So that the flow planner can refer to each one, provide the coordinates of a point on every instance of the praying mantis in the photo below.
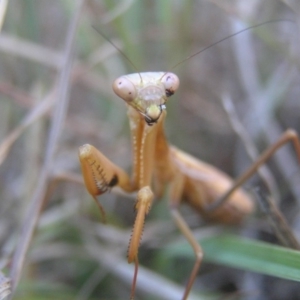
(158, 166)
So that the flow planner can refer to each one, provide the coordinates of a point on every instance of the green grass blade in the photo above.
(248, 255)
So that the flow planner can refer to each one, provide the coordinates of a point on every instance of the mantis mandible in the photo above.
(157, 165)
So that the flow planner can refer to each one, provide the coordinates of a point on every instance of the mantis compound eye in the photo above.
(125, 89)
(171, 83)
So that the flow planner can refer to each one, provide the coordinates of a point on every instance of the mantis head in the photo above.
(147, 92)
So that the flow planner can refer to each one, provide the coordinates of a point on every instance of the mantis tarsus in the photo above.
(156, 165)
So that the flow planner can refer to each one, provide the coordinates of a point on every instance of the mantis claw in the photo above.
(100, 174)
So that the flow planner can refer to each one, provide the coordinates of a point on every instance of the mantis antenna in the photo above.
(192, 55)
(225, 38)
(119, 49)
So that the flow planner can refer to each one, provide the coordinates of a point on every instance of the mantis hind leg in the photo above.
(175, 194)
(277, 220)
(289, 135)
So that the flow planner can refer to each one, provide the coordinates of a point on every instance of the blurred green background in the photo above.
(73, 255)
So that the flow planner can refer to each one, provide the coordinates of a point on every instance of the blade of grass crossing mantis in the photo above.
(245, 254)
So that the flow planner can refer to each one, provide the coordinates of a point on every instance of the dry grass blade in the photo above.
(120, 9)
(30, 51)
(57, 123)
(37, 112)
(5, 286)
(252, 152)
(294, 4)
(3, 8)
(282, 229)
(148, 282)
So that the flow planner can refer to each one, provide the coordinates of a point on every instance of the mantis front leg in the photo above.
(143, 205)
(100, 174)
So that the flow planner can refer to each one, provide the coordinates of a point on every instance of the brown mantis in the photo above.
(157, 165)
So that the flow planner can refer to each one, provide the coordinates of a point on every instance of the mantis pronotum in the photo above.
(156, 164)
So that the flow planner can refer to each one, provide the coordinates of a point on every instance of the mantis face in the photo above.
(147, 92)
